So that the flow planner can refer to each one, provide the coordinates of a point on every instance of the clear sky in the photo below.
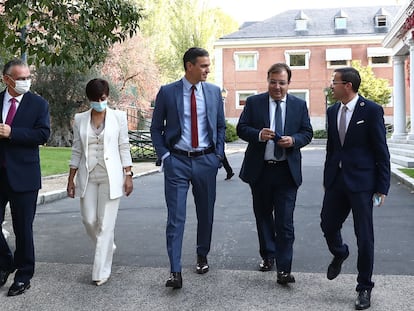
(257, 10)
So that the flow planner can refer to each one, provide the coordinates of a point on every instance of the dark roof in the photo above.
(360, 21)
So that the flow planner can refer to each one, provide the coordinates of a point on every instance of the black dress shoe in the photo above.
(363, 300)
(285, 277)
(335, 267)
(229, 176)
(4, 275)
(18, 288)
(266, 264)
(202, 265)
(175, 280)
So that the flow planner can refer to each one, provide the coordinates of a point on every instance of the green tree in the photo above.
(191, 23)
(373, 88)
(58, 32)
(65, 92)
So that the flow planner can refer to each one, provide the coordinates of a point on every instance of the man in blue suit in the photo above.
(276, 125)
(357, 170)
(24, 126)
(188, 132)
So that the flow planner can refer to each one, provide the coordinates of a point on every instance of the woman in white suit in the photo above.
(101, 161)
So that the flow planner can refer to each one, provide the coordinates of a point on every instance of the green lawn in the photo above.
(54, 160)
(408, 171)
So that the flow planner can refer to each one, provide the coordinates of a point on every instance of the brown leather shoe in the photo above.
(266, 264)
(175, 280)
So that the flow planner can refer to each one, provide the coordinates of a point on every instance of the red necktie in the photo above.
(12, 111)
(194, 129)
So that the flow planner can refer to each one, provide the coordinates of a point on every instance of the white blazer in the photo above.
(117, 154)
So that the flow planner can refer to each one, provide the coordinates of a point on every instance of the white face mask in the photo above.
(22, 86)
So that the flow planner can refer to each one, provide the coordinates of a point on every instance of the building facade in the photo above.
(313, 43)
(400, 39)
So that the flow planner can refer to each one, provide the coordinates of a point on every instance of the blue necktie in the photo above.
(278, 129)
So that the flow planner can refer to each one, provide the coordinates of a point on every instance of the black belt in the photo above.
(192, 154)
(276, 163)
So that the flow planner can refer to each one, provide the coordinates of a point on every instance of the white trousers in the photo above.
(99, 214)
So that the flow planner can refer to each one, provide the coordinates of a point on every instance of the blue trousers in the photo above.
(179, 172)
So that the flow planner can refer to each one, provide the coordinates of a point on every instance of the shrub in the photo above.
(231, 133)
(320, 134)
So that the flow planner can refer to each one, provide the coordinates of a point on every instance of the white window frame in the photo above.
(379, 18)
(342, 54)
(301, 25)
(331, 66)
(238, 93)
(306, 53)
(255, 56)
(379, 52)
(341, 22)
(306, 91)
(388, 64)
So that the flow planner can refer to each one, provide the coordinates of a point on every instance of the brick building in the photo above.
(313, 42)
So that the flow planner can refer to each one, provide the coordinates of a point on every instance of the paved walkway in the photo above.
(54, 187)
(58, 286)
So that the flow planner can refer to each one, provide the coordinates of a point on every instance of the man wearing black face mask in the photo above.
(24, 125)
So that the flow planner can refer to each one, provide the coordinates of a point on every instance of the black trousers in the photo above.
(23, 210)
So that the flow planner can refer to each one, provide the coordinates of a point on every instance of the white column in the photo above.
(399, 98)
(411, 134)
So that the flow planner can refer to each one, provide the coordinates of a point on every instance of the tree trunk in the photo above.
(61, 135)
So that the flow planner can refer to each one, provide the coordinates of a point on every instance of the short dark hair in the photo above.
(96, 88)
(278, 68)
(350, 74)
(191, 55)
(14, 62)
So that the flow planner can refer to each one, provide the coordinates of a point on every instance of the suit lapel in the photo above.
(179, 101)
(266, 112)
(207, 93)
(83, 130)
(356, 115)
(1, 106)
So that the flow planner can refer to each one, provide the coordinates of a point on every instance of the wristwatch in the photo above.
(129, 173)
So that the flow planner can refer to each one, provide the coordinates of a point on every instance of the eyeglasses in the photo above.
(338, 82)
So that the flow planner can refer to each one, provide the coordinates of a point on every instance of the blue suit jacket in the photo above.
(168, 117)
(30, 128)
(364, 156)
(255, 117)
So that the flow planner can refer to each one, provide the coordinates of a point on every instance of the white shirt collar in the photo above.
(351, 105)
(7, 97)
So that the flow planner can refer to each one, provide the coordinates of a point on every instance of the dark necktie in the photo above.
(278, 128)
(342, 125)
(194, 128)
(12, 111)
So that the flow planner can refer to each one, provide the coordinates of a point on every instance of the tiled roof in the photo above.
(360, 21)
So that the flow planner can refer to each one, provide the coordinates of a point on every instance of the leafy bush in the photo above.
(231, 133)
(320, 134)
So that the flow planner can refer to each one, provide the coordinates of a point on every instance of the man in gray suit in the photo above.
(276, 125)
(187, 131)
